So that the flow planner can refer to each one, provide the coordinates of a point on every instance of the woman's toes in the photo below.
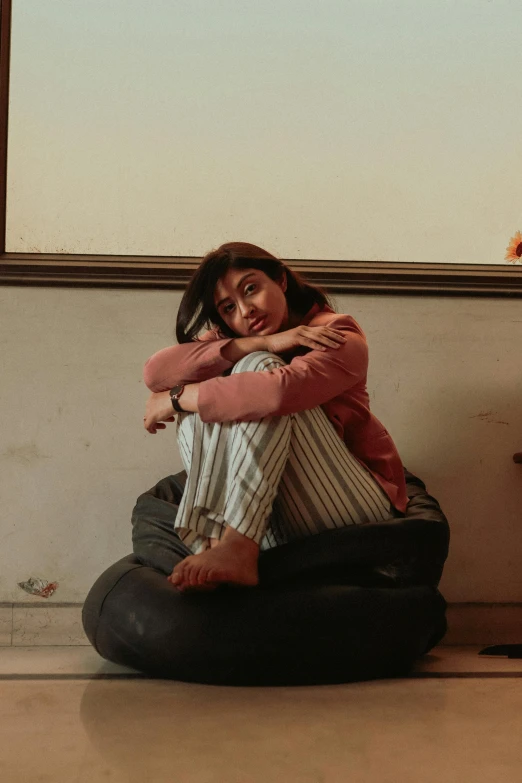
(192, 577)
(185, 572)
(180, 573)
(212, 574)
(202, 577)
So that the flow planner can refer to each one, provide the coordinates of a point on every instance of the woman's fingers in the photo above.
(332, 343)
(326, 336)
(332, 338)
(154, 426)
(324, 342)
(335, 334)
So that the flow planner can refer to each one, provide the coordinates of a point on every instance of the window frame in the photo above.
(158, 272)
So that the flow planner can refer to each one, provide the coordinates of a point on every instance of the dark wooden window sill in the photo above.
(173, 272)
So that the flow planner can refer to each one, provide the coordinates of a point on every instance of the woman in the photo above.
(274, 425)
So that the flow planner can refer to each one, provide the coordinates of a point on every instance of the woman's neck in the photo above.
(293, 320)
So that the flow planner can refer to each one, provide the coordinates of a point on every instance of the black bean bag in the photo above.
(351, 604)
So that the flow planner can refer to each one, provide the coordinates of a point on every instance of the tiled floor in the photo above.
(457, 719)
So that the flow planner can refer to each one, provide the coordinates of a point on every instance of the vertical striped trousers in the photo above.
(272, 480)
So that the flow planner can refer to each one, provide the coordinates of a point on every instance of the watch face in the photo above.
(175, 391)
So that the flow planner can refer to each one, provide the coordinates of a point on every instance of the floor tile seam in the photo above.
(77, 676)
(9, 631)
(49, 605)
(140, 676)
(470, 675)
(48, 644)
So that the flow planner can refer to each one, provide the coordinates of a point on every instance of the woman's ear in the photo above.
(283, 282)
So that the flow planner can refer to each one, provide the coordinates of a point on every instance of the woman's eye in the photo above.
(250, 288)
(228, 308)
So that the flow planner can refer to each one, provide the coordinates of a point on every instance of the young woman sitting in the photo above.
(274, 423)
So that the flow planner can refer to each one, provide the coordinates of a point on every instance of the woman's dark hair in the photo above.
(197, 309)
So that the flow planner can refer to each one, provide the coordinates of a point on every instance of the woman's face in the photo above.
(251, 303)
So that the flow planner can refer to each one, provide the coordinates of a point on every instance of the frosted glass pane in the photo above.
(330, 129)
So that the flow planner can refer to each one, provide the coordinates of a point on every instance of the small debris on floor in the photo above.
(40, 587)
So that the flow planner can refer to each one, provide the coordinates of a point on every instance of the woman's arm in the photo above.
(210, 356)
(308, 381)
(187, 363)
(206, 358)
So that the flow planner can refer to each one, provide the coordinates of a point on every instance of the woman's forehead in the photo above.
(229, 283)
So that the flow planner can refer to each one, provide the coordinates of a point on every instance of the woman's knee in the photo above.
(258, 361)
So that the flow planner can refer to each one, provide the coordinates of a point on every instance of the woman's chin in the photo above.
(269, 330)
(265, 331)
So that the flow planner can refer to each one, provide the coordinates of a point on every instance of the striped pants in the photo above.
(272, 480)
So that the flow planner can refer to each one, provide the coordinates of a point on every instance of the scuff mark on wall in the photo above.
(486, 416)
(40, 587)
(25, 454)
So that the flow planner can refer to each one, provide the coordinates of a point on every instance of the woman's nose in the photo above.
(246, 309)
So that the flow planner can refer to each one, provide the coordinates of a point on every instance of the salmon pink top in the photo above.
(334, 379)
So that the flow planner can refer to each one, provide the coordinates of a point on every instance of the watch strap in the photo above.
(175, 394)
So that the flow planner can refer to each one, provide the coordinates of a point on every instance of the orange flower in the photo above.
(514, 249)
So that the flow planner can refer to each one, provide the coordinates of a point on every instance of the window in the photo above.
(373, 145)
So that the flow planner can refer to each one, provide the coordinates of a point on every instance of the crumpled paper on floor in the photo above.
(40, 587)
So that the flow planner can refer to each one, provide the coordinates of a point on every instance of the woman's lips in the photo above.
(258, 325)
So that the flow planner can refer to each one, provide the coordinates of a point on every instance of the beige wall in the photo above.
(445, 378)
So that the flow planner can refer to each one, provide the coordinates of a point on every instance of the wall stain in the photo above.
(486, 416)
(26, 454)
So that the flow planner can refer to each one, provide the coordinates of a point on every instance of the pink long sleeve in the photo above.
(308, 381)
(187, 363)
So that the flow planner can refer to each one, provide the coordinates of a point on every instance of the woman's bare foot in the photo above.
(233, 560)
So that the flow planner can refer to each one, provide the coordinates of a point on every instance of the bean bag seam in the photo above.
(98, 624)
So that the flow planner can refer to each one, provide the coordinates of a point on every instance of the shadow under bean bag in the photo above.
(355, 603)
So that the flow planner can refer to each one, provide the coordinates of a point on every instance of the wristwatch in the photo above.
(175, 394)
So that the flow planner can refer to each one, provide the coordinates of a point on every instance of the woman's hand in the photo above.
(158, 409)
(317, 337)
